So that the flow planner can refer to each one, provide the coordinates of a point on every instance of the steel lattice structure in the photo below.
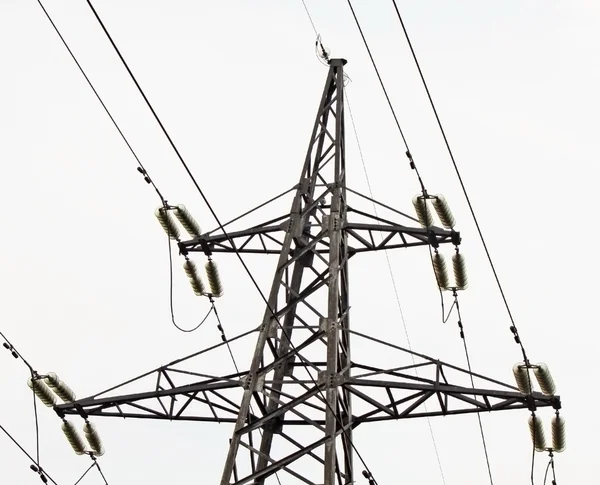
(295, 407)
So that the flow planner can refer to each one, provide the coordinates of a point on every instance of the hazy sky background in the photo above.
(84, 266)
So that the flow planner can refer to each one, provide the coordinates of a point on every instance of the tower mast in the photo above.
(292, 408)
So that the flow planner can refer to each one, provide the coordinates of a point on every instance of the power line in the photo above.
(310, 18)
(116, 125)
(464, 190)
(437, 454)
(101, 473)
(464, 339)
(37, 424)
(179, 156)
(141, 169)
(513, 327)
(550, 465)
(11, 348)
(35, 466)
(533, 458)
(379, 76)
(171, 296)
(85, 473)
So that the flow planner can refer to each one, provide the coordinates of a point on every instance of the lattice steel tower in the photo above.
(292, 408)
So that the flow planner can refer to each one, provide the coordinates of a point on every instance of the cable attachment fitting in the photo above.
(323, 53)
(145, 174)
(369, 477)
(40, 472)
(11, 349)
(410, 160)
(513, 329)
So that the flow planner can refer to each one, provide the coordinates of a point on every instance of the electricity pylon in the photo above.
(292, 408)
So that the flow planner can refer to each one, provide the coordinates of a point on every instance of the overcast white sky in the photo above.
(83, 262)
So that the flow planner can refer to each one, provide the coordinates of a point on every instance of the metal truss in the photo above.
(267, 238)
(295, 407)
(175, 392)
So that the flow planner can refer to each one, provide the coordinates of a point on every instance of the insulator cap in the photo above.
(74, 438)
(214, 280)
(422, 211)
(460, 271)
(559, 438)
(59, 387)
(522, 378)
(42, 391)
(441, 273)
(538, 437)
(93, 438)
(191, 270)
(544, 378)
(443, 211)
(167, 222)
(187, 221)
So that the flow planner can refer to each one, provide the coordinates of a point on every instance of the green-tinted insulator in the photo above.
(559, 437)
(42, 391)
(441, 273)
(167, 222)
(214, 280)
(538, 437)
(422, 211)
(443, 211)
(460, 271)
(59, 387)
(191, 271)
(544, 378)
(74, 438)
(187, 221)
(523, 378)
(93, 438)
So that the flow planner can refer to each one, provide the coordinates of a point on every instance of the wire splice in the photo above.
(59, 387)
(42, 391)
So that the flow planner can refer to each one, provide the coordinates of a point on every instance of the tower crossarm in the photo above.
(362, 237)
(417, 400)
(209, 400)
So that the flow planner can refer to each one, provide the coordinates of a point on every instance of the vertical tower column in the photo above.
(302, 348)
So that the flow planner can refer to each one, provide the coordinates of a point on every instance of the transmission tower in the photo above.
(292, 408)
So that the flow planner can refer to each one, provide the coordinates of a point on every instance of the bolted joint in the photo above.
(329, 380)
(255, 383)
(334, 222)
(295, 226)
(327, 325)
